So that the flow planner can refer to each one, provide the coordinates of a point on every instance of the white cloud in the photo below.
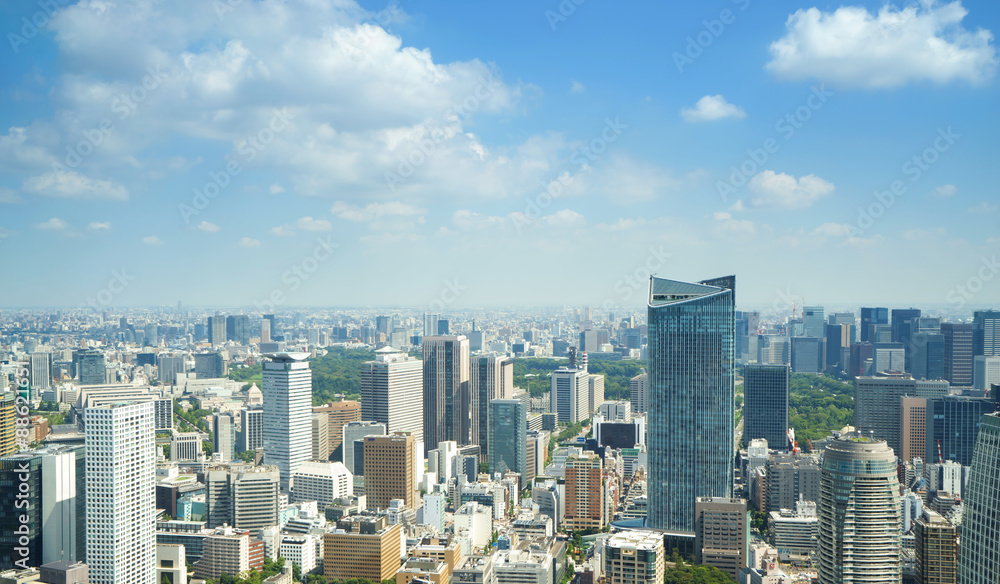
(9, 196)
(564, 218)
(100, 226)
(787, 192)
(833, 230)
(577, 87)
(946, 191)
(984, 207)
(53, 224)
(726, 224)
(465, 219)
(276, 189)
(249, 242)
(282, 231)
(373, 211)
(72, 185)
(310, 224)
(208, 227)
(710, 108)
(152, 240)
(851, 47)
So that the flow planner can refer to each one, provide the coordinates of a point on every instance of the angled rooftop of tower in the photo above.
(663, 291)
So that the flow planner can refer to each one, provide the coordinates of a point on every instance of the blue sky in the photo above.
(299, 117)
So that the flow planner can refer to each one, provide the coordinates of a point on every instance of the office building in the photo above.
(446, 389)
(491, 378)
(928, 357)
(952, 425)
(242, 496)
(167, 366)
(508, 437)
(957, 353)
(229, 551)
(391, 392)
(363, 546)
(936, 542)
(390, 470)
(859, 513)
(869, 317)
(323, 482)
(585, 495)
(216, 329)
(121, 507)
(354, 432)
(979, 554)
(790, 478)
(877, 404)
(639, 393)
(185, 446)
(986, 333)
(224, 435)
(901, 323)
(51, 504)
(985, 371)
(912, 428)
(722, 534)
(765, 405)
(66, 572)
(287, 410)
(164, 411)
(633, 557)
(321, 437)
(339, 414)
(238, 329)
(793, 531)
(569, 396)
(838, 346)
(251, 436)
(813, 321)
(692, 400)
(209, 366)
(92, 369)
(40, 372)
(8, 423)
(807, 354)
(595, 392)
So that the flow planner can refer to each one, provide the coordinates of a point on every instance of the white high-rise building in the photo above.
(985, 371)
(121, 505)
(392, 392)
(570, 394)
(287, 413)
(323, 482)
(639, 390)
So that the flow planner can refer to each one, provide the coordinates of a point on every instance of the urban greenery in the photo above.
(818, 405)
(271, 568)
(683, 573)
(338, 372)
(533, 374)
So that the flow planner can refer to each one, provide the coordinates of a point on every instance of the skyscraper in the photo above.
(722, 534)
(389, 470)
(217, 329)
(168, 366)
(953, 424)
(936, 542)
(40, 369)
(92, 368)
(927, 355)
(639, 393)
(121, 505)
(209, 365)
(814, 321)
(287, 413)
(765, 408)
(877, 406)
(238, 329)
(569, 394)
(859, 513)
(508, 436)
(491, 378)
(391, 392)
(251, 429)
(957, 353)
(807, 354)
(692, 407)
(224, 435)
(585, 493)
(986, 332)
(979, 554)
(446, 390)
(869, 317)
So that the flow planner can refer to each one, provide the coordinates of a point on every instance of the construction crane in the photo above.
(791, 439)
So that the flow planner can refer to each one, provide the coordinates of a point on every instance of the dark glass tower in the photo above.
(953, 423)
(765, 408)
(508, 436)
(979, 554)
(691, 413)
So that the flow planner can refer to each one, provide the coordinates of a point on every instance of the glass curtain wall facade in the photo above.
(691, 413)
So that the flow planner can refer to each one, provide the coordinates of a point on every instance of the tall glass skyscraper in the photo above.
(508, 436)
(979, 554)
(287, 413)
(691, 411)
(765, 410)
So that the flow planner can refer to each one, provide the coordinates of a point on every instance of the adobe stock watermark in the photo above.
(786, 127)
(638, 279)
(30, 27)
(125, 105)
(561, 14)
(248, 149)
(711, 30)
(581, 157)
(965, 291)
(441, 131)
(915, 167)
(117, 284)
(451, 291)
(298, 273)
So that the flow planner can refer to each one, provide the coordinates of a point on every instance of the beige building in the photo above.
(633, 557)
(320, 437)
(389, 470)
(362, 546)
(721, 533)
(912, 428)
(229, 551)
(339, 414)
(585, 497)
(937, 549)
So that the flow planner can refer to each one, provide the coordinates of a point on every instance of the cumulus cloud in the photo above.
(249, 242)
(984, 207)
(72, 185)
(577, 87)
(310, 224)
(784, 191)
(852, 47)
(710, 108)
(53, 224)
(276, 189)
(208, 227)
(282, 231)
(373, 211)
(100, 226)
(152, 240)
(946, 191)
(727, 224)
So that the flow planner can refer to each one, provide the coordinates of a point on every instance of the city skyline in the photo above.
(729, 140)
